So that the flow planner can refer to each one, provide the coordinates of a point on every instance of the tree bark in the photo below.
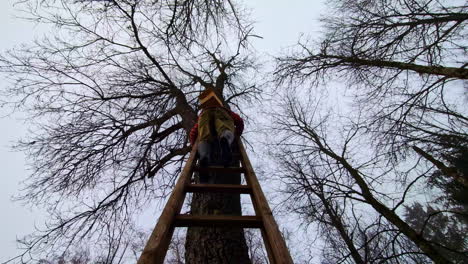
(217, 245)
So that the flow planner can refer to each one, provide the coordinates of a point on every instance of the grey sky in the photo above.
(16, 220)
(278, 22)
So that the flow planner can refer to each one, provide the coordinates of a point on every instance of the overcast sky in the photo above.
(16, 220)
(280, 23)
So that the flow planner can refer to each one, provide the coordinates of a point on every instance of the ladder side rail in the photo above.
(274, 238)
(158, 243)
(262, 228)
(267, 246)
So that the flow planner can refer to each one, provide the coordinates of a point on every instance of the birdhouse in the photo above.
(208, 98)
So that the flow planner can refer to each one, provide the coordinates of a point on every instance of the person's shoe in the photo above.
(226, 153)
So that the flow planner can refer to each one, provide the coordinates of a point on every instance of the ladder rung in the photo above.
(219, 169)
(218, 221)
(218, 188)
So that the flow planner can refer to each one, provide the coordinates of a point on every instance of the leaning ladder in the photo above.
(158, 243)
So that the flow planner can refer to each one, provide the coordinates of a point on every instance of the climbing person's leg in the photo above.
(225, 129)
(204, 145)
(227, 137)
(204, 153)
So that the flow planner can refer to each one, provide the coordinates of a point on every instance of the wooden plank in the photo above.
(276, 242)
(158, 243)
(218, 188)
(219, 169)
(218, 221)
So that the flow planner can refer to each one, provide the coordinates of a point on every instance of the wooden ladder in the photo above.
(158, 243)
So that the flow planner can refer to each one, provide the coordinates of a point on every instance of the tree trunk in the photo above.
(451, 172)
(449, 72)
(217, 245)
(336, 222)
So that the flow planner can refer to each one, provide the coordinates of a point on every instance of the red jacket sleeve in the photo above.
(194, 134)
(238, 122)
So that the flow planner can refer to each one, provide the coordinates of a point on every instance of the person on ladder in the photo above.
(216, 124)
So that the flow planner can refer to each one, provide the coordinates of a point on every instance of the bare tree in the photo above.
(112, 96)
(410, 53)
(374, 42)
(176, 252)
(403, 62)
(79, 257)
(310, 197)
(257, 251)
(344, 189)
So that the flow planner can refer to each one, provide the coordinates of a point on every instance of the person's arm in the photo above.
(193, 134)
(239, 123)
